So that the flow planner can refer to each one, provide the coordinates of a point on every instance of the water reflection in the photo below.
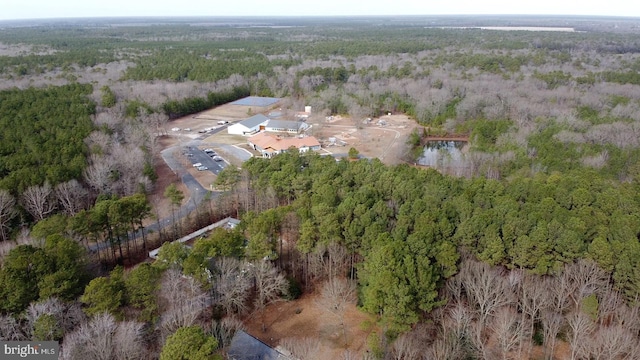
(437, 153)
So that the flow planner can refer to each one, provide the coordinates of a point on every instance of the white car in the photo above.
(175, 129)
(202, 168)
(197, 165)
(217, 158)
(208, 150)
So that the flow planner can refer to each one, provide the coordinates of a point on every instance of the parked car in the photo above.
(202, 168)
(197, 164)
(222, 122)
(217, 158)
(208, 150)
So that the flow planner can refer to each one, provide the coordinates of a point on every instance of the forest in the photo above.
(527, 246)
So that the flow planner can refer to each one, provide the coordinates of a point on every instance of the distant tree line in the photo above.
(178, 108)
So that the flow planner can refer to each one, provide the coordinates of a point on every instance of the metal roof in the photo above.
(254, 121)
(256, 101)
(284, 124)
(246, 347)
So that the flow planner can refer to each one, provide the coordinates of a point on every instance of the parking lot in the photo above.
(205, 160)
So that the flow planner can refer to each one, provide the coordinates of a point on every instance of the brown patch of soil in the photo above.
(304, 317)
(383, 138)
(166, 176)
(562, 351)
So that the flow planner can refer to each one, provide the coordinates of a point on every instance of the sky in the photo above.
(38, 9)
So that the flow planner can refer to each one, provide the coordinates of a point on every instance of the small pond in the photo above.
(438, 150)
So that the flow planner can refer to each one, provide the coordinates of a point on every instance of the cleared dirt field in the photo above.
(383, 138)
(305, 317)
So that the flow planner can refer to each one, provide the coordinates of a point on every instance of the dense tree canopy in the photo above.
(42, 132)
(190, 343)
(408, 225)
(30, 273)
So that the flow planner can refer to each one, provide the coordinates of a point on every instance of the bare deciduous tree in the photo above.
(103, 338)
(10, 329)
(613, 342)
(628, 316)
(338, 260)
(559, 287)
(584, 278)
(225, 329)
(128, 163)
(443, 347)
(155, 123)
(99, 173)
(93, 340)
(508, 331)
(128, 341)
(39, 200)
(182, 301)
(231, 285)
(581, 328)
(479, 339)
(530, 300)
(7, 212)
(335, 295)
(552, 322)
(270, 285)
(610, 303)
(486, 289)
(51, 306)
(458, 322)
(414, 345)
(72, 196)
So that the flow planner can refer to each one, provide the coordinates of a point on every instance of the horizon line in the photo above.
(97, 17)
